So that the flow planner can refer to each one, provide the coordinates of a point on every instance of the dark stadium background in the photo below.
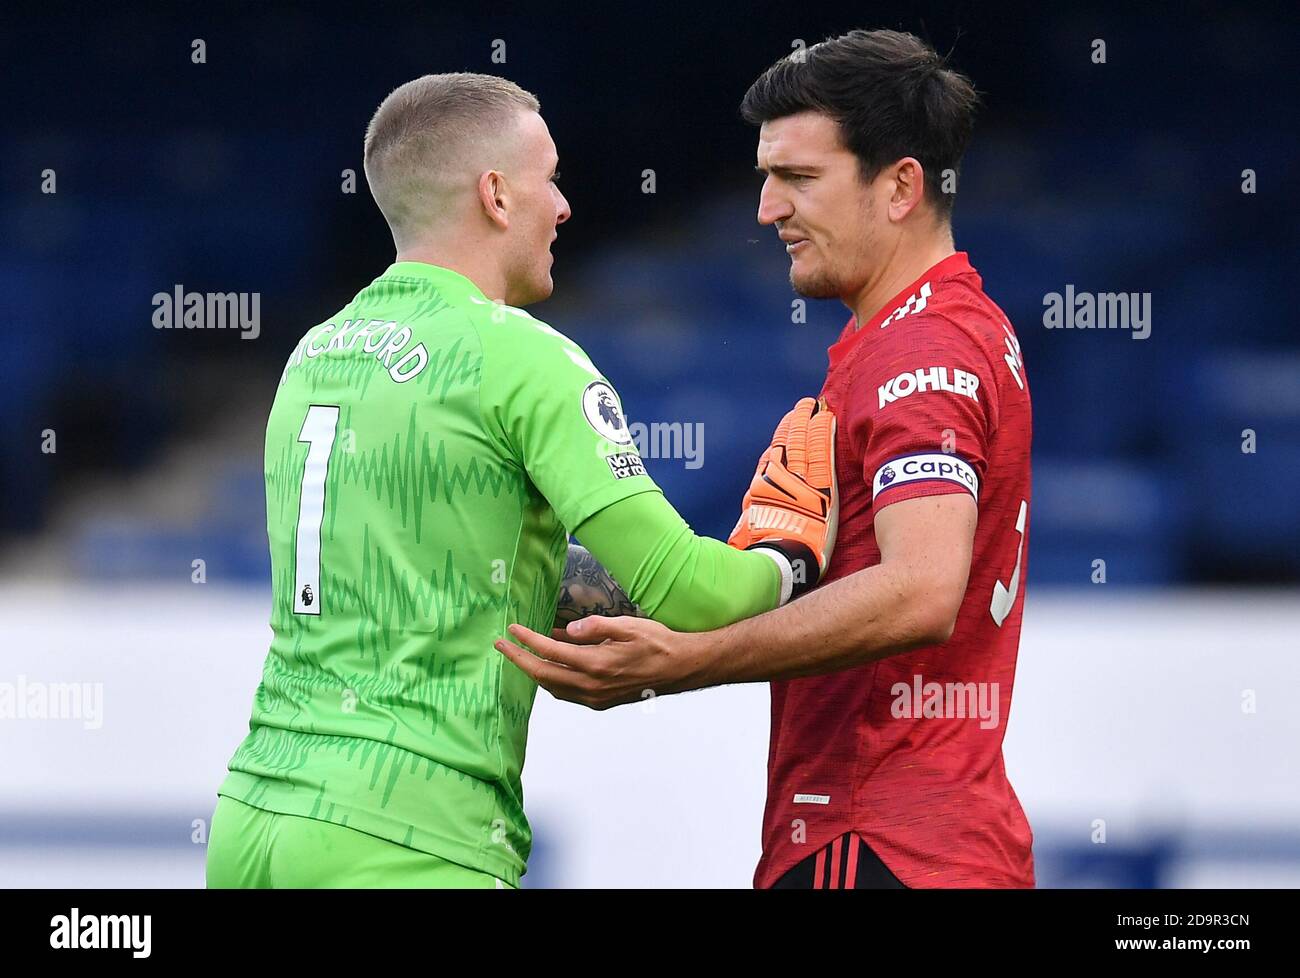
(226, 176)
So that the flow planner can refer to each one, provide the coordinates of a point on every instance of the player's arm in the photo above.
(910, 599)
(687, 582)
(668, 573)
(586, 588)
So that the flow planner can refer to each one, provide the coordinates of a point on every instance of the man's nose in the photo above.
(772, 207)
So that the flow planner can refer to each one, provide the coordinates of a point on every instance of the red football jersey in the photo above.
(931, 398)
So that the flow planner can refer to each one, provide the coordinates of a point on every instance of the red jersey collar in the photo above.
(955, 264)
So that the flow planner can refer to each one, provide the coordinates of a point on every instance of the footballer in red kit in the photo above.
(891, 680)
(906, 752)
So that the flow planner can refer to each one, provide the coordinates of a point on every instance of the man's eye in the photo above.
(555, 177)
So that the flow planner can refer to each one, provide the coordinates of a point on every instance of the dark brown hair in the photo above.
(892, 94)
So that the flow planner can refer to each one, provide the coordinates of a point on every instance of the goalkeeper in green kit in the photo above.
(429, 451)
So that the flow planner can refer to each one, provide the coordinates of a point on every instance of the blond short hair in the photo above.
(426, 133)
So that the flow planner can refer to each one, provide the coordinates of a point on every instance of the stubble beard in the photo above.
(819, 285)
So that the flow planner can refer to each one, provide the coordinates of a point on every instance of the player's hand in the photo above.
(602, 662)
(793, 502)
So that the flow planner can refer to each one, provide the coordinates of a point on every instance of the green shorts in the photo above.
(249, 848)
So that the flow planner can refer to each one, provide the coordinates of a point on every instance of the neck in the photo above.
(489, 279)
(904, 265)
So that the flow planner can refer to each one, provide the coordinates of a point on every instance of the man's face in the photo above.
(537, 210)
(826, 215)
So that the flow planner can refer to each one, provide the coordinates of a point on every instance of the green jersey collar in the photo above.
(434, 274)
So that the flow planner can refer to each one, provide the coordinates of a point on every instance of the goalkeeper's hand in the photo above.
(792, 508)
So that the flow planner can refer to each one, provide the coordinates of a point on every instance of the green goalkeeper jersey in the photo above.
(426, 451)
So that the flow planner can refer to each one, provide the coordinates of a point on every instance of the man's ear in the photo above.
(494, 197)
(908, 178)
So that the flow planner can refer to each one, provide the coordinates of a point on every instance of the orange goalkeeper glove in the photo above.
(792, 508)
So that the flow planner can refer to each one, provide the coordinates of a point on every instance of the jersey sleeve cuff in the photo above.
(783, 568)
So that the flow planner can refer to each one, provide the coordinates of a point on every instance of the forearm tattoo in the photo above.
(588, 589)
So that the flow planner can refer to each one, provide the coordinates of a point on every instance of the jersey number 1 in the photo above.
(318, 430)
